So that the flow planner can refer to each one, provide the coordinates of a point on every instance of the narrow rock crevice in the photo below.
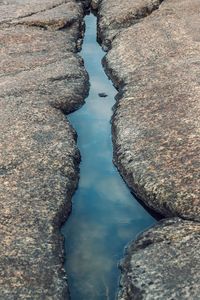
(109, 26)
(104, 214)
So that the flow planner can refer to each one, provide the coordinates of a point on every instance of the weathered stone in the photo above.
(58, 17)
(155, 66)
(40, 75)
(163, 263)
(16, 9)
(154, 63)
(115, 15)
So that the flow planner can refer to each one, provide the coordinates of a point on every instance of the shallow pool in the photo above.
(105, 215)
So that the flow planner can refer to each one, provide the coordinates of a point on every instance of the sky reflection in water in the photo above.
(105, 216)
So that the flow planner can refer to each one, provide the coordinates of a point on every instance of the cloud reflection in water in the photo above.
(105, 216)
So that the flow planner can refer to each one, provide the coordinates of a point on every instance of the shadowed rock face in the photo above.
(154, 63)
(40, 75)
(162, 264)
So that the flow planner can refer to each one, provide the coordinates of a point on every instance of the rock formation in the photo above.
(153, 60)
(41, 76)
(163, 263)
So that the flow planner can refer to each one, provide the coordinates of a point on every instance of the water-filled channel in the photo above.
(105, 216)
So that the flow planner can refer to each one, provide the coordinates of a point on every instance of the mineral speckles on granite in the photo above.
(12, 10)
(115, 15)
(58, 17)
(40, 74)
(163, 263)
(155, 65)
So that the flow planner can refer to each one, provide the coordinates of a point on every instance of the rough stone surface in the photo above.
(155, 66)
(154, 62)
(163, 263)
(116, 15)
(40, 76)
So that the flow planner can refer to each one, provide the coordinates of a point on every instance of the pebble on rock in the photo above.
(103, 95)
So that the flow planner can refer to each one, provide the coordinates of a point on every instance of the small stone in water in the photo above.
(103, 95)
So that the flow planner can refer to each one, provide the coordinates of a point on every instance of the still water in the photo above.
(105, 216)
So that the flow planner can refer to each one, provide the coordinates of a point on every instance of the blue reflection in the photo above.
(105, 216)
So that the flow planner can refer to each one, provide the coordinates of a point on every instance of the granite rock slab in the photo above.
(155, 66)
(163, 263)
(41, 78)
(153, 60)
(116, 15)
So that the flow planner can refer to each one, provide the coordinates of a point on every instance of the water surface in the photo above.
(105, 216)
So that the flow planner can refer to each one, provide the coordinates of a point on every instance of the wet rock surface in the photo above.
(41, 76)
(163, 263)
(153, 60)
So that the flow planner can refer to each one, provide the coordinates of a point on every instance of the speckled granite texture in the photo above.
(155, 66)
(115, 15)
(154, 61)
(40, 76)
(163, 263)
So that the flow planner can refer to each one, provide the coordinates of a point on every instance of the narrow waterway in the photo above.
(105, 216)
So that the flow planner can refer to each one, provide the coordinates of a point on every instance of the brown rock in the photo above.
(40, 74)
(154, 63)
(116, 15)
(155, 66)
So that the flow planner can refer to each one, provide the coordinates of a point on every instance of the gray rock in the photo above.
(41, 77)
(116, 15)
(163, 263)
(154, 64)
(103, 95)
(153, 60)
